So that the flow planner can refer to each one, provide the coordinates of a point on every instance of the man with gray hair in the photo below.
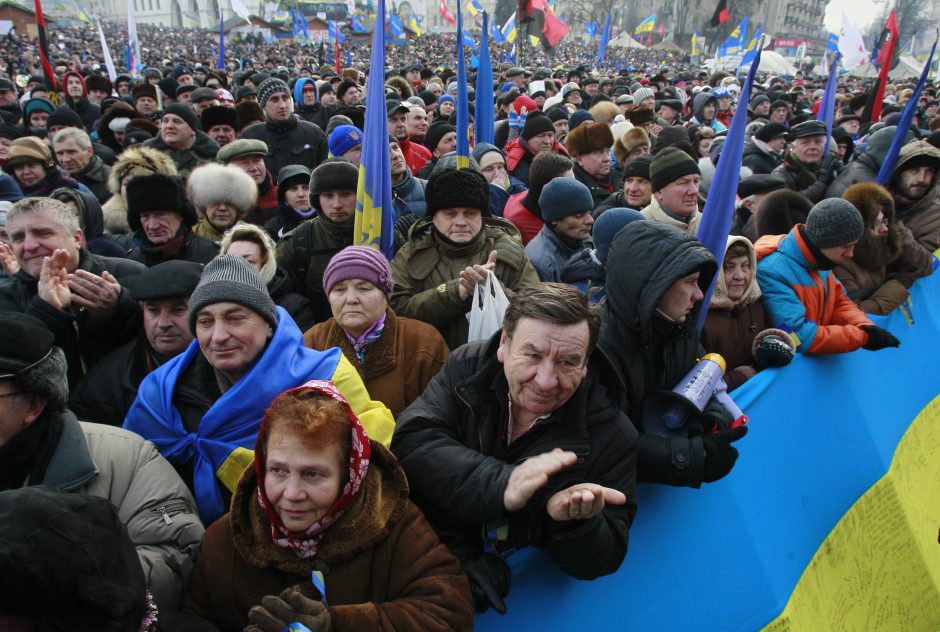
(77, 295)
(75, 153)
(42, 443)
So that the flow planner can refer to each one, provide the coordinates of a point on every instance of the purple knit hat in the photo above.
(359, 262)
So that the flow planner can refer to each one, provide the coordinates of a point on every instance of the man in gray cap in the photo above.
(801, 294)
(249, 154)
(289, 139)
(806, 168)
(43, 443)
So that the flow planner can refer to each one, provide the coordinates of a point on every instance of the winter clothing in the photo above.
(452, 444)
(427, 270)
(549, 254)
(416, 155)
(811, 181)
(88, 111)
(600, 189)
(522, 209)
(833, 222)
(460, 188)
(777, 214)
(359, 262)
(805, 299)
(232, 279)
(410, 196)
(519, 157)
(203, 150)
(921, 216)
(398, 366)
(382, 565)
(657, 213)
(95, 176)
(669, 165)
(759, 157)
(289, 142)
(186, 246)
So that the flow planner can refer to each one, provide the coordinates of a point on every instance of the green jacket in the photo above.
(427, 274)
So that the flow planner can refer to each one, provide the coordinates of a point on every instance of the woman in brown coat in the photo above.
(322, 533)
(887, 259)
(395, 356)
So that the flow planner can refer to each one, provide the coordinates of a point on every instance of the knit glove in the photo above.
(720, 455)
(879, 338)
(516, 121)
(489, 577)
(772, 348)
(291, 606)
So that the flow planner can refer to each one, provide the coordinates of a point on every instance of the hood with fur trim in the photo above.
(871, 252)
(589, 137)
(720, 298)
(212, 183)
(137, 161)
(401, 86)
(254, 234)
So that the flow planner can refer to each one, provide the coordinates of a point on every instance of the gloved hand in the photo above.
(720, 455)
(276, 613)
(773, 348)
(517, 121)
(828, 168)
(904, 277)
(489, 577)
(879, 338)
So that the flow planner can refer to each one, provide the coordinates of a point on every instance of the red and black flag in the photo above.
(44, 49)
(542, 21)
(721, 14)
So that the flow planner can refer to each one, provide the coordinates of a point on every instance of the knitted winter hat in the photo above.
(639, 167)
(231, 279)
(452, 189)
(359, 262)
(343, 138)
(608, 225)
(834, 222)
(436, 132)
(579, 117)
(270, 87)
(643, 93)
(670, 165)
(184, 112)
(537, 123)
(562, 197)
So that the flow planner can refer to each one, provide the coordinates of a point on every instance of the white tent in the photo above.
(776, 64)
(625, 41)
(907, 67)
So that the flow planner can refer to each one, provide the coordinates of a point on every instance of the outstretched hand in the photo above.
(582, 501)
(53, 286)
(529, 476)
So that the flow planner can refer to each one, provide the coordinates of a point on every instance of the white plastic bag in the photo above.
(487, 310)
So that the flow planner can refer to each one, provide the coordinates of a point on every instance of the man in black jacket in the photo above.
(77, 295)
(522, 436)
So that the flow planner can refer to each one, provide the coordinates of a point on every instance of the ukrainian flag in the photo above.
(375, 215)
(415, 24)
(509, 29)
(463, 109)
(474, 7)
(695, 43)
(751, 51)
(534, 41)
(646, 26)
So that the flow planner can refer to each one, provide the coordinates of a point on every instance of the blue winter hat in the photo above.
(608, 225)
(579, 116)
(562, 197)
(343, 138)
(508, 86)
(446, 98)
(481, 149)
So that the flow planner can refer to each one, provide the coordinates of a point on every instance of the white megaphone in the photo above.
(668, 413)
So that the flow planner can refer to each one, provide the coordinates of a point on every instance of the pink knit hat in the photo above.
(359, 262)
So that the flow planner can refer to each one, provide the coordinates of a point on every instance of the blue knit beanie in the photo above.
(562, 197)
(608, 225)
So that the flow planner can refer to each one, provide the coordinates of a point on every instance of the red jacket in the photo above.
(527, 223)
(416, 156)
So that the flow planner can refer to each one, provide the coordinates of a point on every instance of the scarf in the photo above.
(228, 430)
(55, 179)
(307, 543)
(369, 336)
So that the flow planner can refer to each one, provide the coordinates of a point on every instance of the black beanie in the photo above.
(639, 167)
(66, 116)
(184, 112)
(669, 165)
(335, 174)
(556, 113)
(537, 123)
(461, 187)
(436, 132)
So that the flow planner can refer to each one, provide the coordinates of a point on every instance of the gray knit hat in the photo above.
(643, 93)
(231, 279)
(834, 222)
(269, 87)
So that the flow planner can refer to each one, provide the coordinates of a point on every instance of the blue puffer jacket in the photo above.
(409, 196)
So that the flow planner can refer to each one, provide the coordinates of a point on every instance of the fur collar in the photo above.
(380, 356)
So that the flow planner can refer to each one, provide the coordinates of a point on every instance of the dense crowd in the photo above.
(289, 428)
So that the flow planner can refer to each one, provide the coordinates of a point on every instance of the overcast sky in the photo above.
(861, 13)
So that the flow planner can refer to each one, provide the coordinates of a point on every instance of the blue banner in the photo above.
(484, 119)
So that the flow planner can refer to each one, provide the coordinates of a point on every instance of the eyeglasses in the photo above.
(12, 394)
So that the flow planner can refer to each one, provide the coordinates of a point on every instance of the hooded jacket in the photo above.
(759, 157)
(318, 114)
(133, 161)
(88, 111)
(651, 353)
(699, 101)
(866, 166)
(923, 216)
(519, 157)
(383, 567)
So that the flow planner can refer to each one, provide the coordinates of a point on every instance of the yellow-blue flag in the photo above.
(463, 108)
(375, 211)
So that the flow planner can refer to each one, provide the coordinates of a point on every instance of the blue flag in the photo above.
(375, 212)
(303, 24)
(605, 37)
(891, 159)
(827, 108)
(484, 123)
(334, 32)
(496, 33)
(220, 64)
(298, 30)
(719, 207)
(357, 26)
(395, 27)
(468, 40)
(463, 108)
(833, 43)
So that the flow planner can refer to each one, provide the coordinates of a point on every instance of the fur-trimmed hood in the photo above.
(401, 86)
(720, 298)
(212, 183)
(250, 232)
(872, 252)
(139, 161)
(589, 137)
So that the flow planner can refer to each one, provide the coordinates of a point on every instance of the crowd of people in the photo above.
(290, 428)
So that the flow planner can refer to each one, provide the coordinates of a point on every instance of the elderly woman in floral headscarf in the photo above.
(322, 533)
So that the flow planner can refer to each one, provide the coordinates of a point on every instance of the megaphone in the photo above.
(668, 413)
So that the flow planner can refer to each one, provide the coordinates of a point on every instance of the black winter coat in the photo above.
(758, 160)
(653, 354)
(195, 248)
(83, 337)
(292, 142)
(450, 443)
(297, 305)
(599, 193)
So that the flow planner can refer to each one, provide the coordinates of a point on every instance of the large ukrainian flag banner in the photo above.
(375, 214)
(828, 521)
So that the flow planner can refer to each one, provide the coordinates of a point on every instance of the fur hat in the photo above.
(156, 192)
(630, 140)
(589, 137)
(344, 86)
(400, 85)
(212, 183)
(334, 174)
(144, 90)
(780, 211)
(873, 252)
(453, 188)
(136, 161)
(219, 115)
(28, 149)
(256, 235)
(641, 115)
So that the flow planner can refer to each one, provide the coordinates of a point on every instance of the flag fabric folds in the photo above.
(605, 37)
(509, 30)
(851, 45)
(695, 42)
(241, 10)
(736, 41)
(646, 26)
(719, 207)
(445, 13)
(374, 223)
(108, 61)
(496, 33)
(133, 42)
(47, 68)
(888, 40)
(554, 29)
(484, 117)
(751, 51)
(334, 32)
(395, 27)
(415, 24)
(357, 26)
(891, 159)
(463, 107)
(827, 108)
(220, 63)
(721, 14)
(474, 7)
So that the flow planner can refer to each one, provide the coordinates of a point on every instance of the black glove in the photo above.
(489, 577)
(773, 352)
(828, 168)
(879, 338)
(720, 455)
(276, 613)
